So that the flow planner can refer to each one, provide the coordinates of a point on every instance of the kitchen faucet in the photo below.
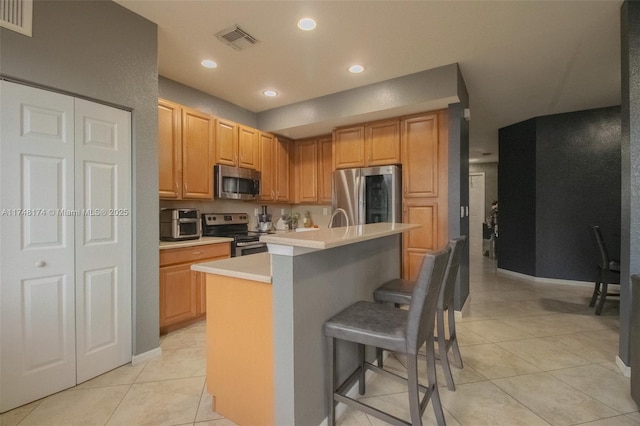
(333, 215)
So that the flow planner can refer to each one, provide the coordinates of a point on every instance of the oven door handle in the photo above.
(251, 244)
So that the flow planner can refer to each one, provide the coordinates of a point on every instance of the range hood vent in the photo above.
(236, 37)
(16, 15)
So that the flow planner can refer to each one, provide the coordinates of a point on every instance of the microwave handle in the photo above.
(256, 187)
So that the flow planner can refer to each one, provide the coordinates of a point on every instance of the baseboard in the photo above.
(624, 369)
(146, 356)
(465, 309)
(544, 280)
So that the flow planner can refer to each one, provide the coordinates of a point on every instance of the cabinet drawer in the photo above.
(194, 253)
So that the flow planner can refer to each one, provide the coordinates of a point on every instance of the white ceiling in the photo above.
(519, 59)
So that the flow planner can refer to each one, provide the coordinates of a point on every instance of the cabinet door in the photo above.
(348, 147)
(307, 166)
(169, 150)
(325, 169)
(283, 170)
(268, 167)
(178, 294)
(197, 155)
(420, 152)
(419, 241)
(382, 143)
(226, 142)
(248, 147)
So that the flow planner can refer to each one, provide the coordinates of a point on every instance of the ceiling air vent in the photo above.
(236, 37)
(16, 15)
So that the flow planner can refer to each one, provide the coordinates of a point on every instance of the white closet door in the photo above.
(37, 345)
(103, 238)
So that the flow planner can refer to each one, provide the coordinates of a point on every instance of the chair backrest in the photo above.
(422, 310)
(451, 274)
(603, 254)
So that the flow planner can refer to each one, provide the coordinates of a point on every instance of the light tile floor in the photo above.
(534, 354)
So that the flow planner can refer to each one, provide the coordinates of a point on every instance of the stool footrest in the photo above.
(339, 395)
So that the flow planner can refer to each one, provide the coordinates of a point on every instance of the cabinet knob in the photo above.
(40, 264)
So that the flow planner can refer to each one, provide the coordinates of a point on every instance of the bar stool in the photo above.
(399, 292)
(398, 330)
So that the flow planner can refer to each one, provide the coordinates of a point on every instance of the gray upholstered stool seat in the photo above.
(400, 292)
(398, 330)
(370, 324)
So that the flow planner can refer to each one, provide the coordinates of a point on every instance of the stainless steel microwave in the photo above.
(235, 183)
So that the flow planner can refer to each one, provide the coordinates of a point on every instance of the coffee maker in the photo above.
(264, 221)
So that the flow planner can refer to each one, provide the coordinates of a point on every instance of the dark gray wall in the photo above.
(101, 51)
(516, 195)
(577, 185)
(490, 171)
(185, 95)
(559, 174)
(630, 205)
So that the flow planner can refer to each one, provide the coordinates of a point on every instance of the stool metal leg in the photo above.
(361, 386)
(331, 382)
(433, 383)
(442, 348)
(414, 396)
(457, 358)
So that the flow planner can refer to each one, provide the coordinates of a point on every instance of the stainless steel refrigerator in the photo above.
(368, 195)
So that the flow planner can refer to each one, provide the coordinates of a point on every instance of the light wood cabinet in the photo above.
(236, 145)
(183, 291)
(371, 144)
(382, 143)
(424, 140)
(348, 147)
(185, 157)
(275, 168)
(306, 171)
(169, 150)
(197, 155)
(325, 169)
(226, 151)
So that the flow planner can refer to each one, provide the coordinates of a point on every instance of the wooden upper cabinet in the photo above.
(382, 143)
(325, 169)
(197, 154)
(185, 142)
(267, 167)
(306, 171)
(226, 150)
(420, 168)
(348, 147)
(274, 167)
(283, 169)
(169, 149)
(374, 144)
(248, 147)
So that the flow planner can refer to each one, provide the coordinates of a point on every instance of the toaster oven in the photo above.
(180, 224)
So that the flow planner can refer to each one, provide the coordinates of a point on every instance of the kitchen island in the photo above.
(265, 347)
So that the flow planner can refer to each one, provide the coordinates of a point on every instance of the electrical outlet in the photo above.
(325, 211)
(281, 212)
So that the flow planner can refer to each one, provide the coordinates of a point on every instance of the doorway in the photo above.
(476, 213)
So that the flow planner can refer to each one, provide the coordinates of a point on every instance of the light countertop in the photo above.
(190, 243)
(326, 238)
(254, 267)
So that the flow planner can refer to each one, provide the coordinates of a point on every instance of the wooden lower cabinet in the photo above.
(183, 291)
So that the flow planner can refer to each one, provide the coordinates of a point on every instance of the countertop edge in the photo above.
(164, 245)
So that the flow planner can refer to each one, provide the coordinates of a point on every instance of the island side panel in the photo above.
(322, 284)
(240, 349)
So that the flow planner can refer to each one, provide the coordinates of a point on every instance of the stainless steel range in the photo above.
(236, 226)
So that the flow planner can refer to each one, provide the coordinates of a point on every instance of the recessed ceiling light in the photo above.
(356, 69)
(270, 93)
(306, 24)
(208, 63)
